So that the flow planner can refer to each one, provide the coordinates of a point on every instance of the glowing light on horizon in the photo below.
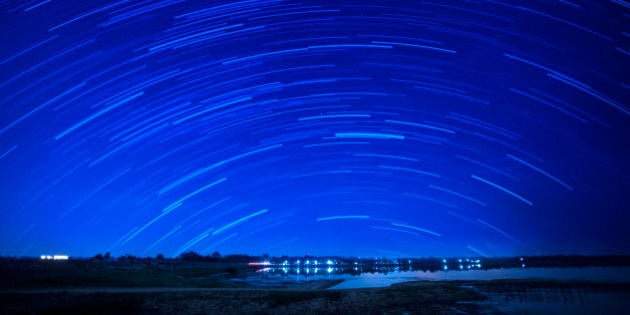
(54, 257)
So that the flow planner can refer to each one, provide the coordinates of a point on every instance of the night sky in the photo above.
(370, 128)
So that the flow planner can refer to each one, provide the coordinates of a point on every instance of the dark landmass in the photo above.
(452, 297)
(15, 274)
(190, 264)
(131, 285)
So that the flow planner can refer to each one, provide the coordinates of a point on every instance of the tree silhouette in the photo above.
(190, 256)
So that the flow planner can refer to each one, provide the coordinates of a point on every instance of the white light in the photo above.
(445, 267)
(444, 260)
(329, 262)
(55, 257)
(330, 269)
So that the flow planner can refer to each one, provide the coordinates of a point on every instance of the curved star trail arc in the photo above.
(327, 127)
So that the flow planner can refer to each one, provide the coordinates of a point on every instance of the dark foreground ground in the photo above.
(423, 297)
(84, 287)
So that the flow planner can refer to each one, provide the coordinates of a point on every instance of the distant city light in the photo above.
(55, 257)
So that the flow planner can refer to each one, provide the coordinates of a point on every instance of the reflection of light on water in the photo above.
(383, 272)
(382, 265)
(603, 274)
(360, 276)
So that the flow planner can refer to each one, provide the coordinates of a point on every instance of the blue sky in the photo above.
(402, 128)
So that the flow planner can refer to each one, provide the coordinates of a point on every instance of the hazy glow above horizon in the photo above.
(350, 128)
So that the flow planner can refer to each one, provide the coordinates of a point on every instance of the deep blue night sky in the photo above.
(371, 128)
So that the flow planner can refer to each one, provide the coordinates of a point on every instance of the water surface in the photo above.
(599, 274)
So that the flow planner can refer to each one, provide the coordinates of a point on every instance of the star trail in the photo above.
(421, 128)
